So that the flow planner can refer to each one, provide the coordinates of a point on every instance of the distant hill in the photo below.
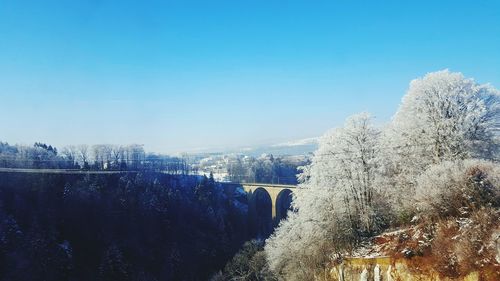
(297, 147)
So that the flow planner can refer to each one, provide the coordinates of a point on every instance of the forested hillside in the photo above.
(129, 226)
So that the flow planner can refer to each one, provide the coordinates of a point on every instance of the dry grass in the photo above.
(453, 247)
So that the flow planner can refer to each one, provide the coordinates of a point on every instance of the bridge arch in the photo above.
(283, 204)
(267, 205)
(261, 207)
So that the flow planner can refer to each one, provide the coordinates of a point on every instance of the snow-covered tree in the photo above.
(444, 116)
(447, 116)
(345, 166)
(337, 202)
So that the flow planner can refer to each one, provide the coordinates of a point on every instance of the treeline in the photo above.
(85, 157)
(265, 169)
(130, 226)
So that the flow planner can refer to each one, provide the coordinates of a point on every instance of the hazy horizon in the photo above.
(195, 150)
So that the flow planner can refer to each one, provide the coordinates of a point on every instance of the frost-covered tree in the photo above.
(345, 165)
(444, 116)
(336, 205)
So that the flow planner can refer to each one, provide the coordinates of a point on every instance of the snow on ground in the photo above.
(400, 242)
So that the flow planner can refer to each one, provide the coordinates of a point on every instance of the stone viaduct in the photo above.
(268, 204)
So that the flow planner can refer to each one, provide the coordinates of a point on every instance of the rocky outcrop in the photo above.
(389, 269)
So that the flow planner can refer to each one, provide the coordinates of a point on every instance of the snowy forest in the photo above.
(129, 226)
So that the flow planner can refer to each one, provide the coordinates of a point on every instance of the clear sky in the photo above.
(183, 75)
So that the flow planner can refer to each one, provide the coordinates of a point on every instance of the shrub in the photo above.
(249, 264)
(458, 188)
(461, 246)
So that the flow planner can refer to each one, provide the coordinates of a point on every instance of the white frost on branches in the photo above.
(359, 168)
(443, 117)
(336, 202)
(457, 186)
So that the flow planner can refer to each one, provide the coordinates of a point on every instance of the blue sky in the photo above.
(182, 75)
